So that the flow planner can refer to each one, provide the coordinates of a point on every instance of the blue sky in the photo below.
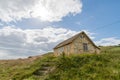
(34, 24)
(95, 14)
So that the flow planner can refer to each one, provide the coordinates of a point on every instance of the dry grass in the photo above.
(9, 68)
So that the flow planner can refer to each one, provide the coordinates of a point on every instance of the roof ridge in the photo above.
(69, 40)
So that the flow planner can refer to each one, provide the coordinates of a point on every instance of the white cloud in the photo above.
(108, 41)
(16, 42)
(45, 10)
(4, 54)
(19, 43)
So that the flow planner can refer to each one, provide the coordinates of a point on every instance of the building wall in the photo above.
(77, 47)
(66, 49)
(97, 51)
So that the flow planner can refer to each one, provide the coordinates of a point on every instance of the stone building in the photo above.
(80, 43)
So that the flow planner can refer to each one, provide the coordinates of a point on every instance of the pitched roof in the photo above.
(73, 38)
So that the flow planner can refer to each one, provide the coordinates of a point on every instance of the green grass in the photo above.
(103, 66)
(21, 68)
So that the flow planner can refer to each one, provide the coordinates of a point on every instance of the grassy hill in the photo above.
(104, 66)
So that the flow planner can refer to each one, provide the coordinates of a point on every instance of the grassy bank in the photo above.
(104, 66)
(21, 68)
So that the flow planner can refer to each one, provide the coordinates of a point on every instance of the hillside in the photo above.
(104, 66)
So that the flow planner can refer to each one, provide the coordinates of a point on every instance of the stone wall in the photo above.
(77, 46)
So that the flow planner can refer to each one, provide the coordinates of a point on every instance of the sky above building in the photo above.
(34, 27)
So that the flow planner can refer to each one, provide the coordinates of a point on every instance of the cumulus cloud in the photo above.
(45, 10)
(20, 43)
(16, 42)
(108, 41)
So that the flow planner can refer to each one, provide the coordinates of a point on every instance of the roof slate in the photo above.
(70, 40)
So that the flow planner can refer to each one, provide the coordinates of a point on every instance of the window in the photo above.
(81, 36)
(85, 47)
